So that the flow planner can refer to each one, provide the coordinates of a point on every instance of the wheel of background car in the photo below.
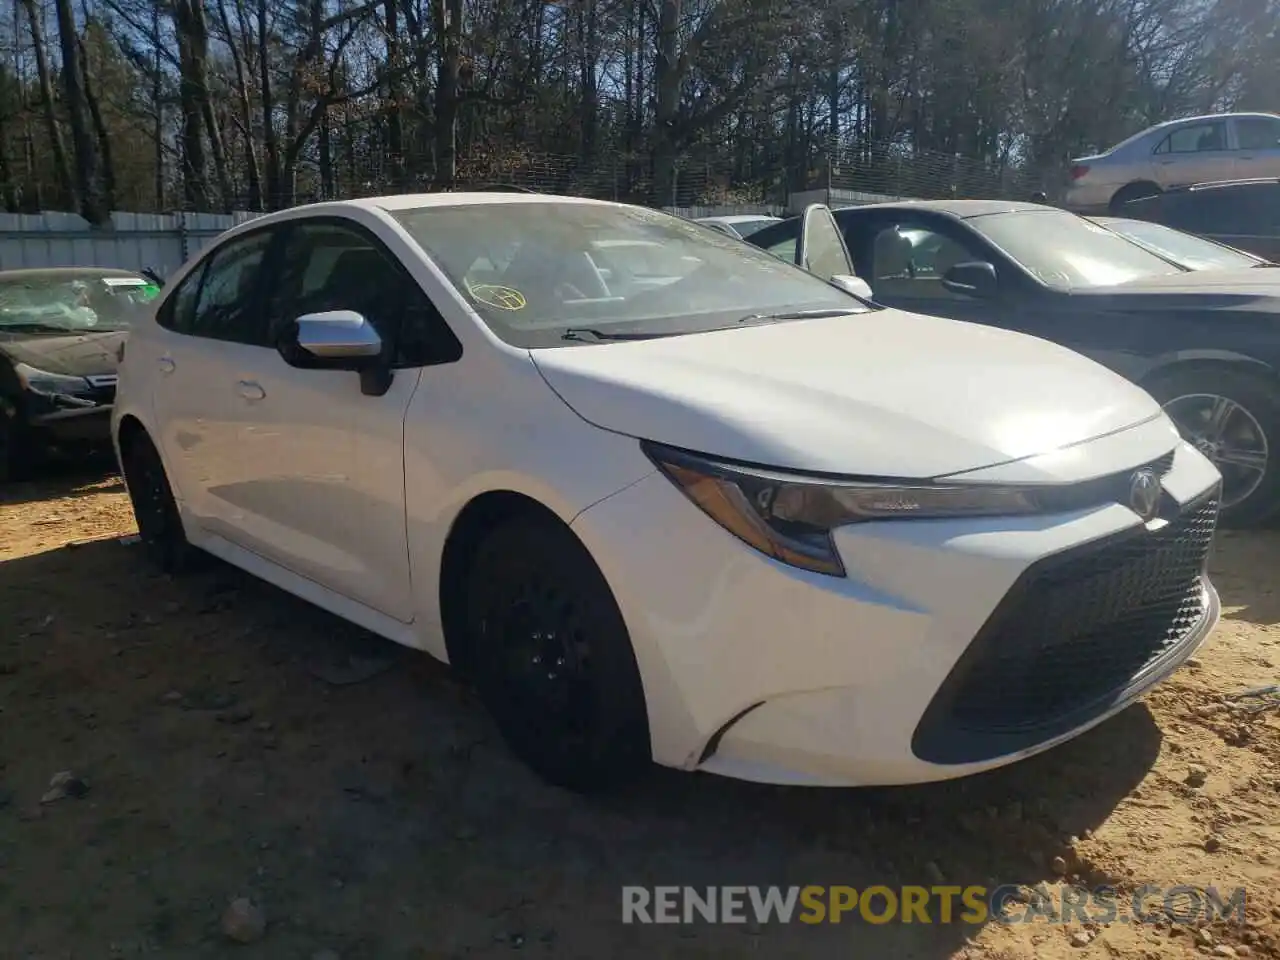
(1131, 192)
(154, 508)
(1233, 418)
(552, 658)
(17, 453)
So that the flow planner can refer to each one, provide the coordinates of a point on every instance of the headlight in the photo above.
(791, 518)
(50, 384)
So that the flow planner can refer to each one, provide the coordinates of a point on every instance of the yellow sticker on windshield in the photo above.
(494, 295)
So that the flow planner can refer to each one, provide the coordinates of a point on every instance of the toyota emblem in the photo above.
(1144, 494)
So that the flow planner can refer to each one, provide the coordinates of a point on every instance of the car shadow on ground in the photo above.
(61, 478)
(385, 819)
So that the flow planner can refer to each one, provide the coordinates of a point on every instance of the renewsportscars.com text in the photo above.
(1008, 904)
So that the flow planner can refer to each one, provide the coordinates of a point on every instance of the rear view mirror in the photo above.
(338, 335)
(977, 279)
(855, 285)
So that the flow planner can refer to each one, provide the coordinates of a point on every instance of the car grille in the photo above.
(1075, 631)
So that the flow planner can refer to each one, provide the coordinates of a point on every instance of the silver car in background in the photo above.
(1225, 146)
(739, 225)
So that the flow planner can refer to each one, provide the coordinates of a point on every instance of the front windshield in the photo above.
(72, 303)
(1067, 252)
(1187, 249)
(534, 271)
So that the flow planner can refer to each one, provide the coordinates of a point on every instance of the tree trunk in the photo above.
(62, 167)
(82, 144)
(101, 137)
(666, 81)
(449, 30)
(395, 95)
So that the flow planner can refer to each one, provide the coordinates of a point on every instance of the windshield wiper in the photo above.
(798, 314)
(587, 334)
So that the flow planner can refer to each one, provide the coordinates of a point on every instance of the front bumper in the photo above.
(74, 427)
(760, 671)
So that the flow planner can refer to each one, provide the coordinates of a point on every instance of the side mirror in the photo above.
(340, 340)
(855, 285)
(977, 280)
(338, 335)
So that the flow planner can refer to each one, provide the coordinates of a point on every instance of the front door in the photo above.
(1196, 153)
(323, 495)
(908, 257)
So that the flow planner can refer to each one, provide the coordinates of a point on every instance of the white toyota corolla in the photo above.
(663, 496)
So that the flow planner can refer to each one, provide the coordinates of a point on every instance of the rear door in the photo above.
(1257, 147)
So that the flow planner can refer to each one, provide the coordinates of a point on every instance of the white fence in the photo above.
(131, 242)
(160, 241)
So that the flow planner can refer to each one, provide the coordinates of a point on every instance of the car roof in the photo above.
(396, 203)
(961, 209)
(66, 273)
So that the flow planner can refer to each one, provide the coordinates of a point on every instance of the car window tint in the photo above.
(908, 260)
(178, 309)
(1198, 138)
(780, 239)
(227, 307)
(1258, 133)
(331, 266)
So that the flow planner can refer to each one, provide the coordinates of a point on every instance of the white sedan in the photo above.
(739, 521)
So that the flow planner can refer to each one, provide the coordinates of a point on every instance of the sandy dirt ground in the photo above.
(212, 760)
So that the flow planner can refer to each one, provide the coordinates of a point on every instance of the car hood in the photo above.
(75, 355)
(885, 394)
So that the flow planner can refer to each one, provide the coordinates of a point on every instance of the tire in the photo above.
(17, 452)
(1130, 192)
(552, 659)
(1231, 416)
(154, 508)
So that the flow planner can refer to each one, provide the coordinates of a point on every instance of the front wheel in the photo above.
(154, 507)
(552, 658)
(17, 452)
(1233, 418)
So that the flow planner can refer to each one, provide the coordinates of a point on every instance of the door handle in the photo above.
(250, 390)
(166, 365)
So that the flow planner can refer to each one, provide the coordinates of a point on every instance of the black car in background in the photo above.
(1205, 343)
(1239, 213)
(60, 332)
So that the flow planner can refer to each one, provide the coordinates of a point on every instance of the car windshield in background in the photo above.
(1184, 248)
(535, 271)
(746, 228)
(1067, 252)
(72, 303)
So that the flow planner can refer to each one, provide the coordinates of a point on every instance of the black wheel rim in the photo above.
(1229, 435)
(541, 661)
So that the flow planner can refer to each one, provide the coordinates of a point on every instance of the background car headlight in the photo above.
(51, 384)
(791, 517)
